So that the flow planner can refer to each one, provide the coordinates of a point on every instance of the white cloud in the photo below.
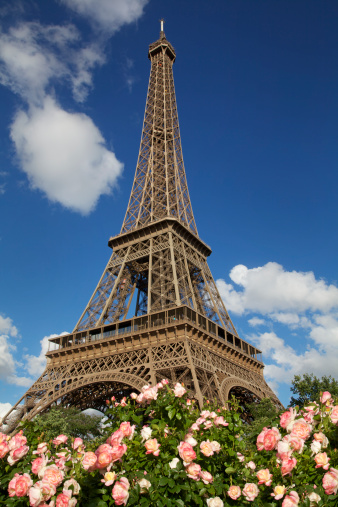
(256, 321)
(64, 156)
(109, 15)
(33, 56)
(7, 327)
(270, 288)
(35, 365)
(4, 408)
(8, 364)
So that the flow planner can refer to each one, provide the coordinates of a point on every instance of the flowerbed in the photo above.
(160, 450)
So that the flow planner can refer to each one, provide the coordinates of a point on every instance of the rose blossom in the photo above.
(146, 433)
(320, 437)
(53, 475)
(220, 421)
(216, 446)
(330, 481)
(287, 417)
(89, 461)
(314, 499)
(260, 439)
(133, 396)
(315, 447)
(42, 490)
(120, 491)
(206, 477)
(291, 500)
(208, 425)
(64, 500)
(127, 429)
(250, 491)
(326, 396)
(234, 492)
(278, 492)
(190, 439)
(334, 415)
(17, 454)
(322, 460)
(179, 390)
(240, 457)
(271, 439)
(19, 485)
(173, 463)
(284, 450)
(74, 483)
(206, 448)
(186, 452)
(115, 438)
(250, 465)
(215, 502)
(77, 443)
(4, 449)
(205, 414)
(144, 485)
(41, 448)
(288, 465)
(37, 464)
(61, 439)
(150, 394)
(17, 441)
(3, 436)
(109, 478)
(152, 446)
(264, 477)
(193, 471)
(301, 429)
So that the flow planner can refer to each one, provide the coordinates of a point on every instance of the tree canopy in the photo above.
(308, 387)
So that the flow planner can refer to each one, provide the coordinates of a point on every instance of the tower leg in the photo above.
(194, 376)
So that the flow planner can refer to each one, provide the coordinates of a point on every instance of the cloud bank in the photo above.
(302, 308)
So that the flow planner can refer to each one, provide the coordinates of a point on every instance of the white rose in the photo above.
(315, 447)
(314, 499)
(215, 502)
(173, 463)
(144, 485)
(191, 440)
(146, 433)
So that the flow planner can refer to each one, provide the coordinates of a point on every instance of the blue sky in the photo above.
(256, 85)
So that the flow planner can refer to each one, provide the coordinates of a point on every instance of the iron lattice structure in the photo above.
(180, 328)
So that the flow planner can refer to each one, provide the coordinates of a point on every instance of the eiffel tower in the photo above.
(180, 328)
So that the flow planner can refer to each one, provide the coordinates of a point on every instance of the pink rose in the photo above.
(240, 457)
(278, 492)
(193, 471)
(330, 481)
(19, 485)
(320, 437)
(260, 439)
(152, 446)
(179, 390)
(216, 446)
(186, 452)
(109, 478)
(69, 483)
(271, 439)
(322, 460)
(41, 491)
(291, 500)
(250, 465)
(77, 443)
(234, 492)
(17, 454)
(288, 465)
(37, 464)
(190, 439)
(326, 396)
(61, 439)
(195, 427)
(250, 491)
(220, 421)
(334, 415)
(264, 477)
(127, 429)
(120, 491)
(115, 438)
(150, 394)
(165, 381)
(17, 441)
(301, 429)
(53, 475)
(284, 450)
(296, 443)
(207, 448)
(4, 449)
(3, 436)
(287, 417)
(89, 461)
(41, 448)
(133, 396)
(117, 452)
(206, 477)
(62, 500)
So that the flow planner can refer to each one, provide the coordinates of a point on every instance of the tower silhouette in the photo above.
(179, 328)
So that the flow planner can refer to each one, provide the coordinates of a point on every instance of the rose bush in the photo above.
(161, 450)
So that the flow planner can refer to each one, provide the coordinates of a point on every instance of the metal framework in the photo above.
(180, 328)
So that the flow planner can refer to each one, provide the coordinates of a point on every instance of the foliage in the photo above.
(308, 387)
(161, 450)
(70, 421)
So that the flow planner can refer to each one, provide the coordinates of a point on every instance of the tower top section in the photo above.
(162, 45)
(160, 187)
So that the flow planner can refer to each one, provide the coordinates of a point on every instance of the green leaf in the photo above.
(163, 481)
(171, 413)
(229, 470)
